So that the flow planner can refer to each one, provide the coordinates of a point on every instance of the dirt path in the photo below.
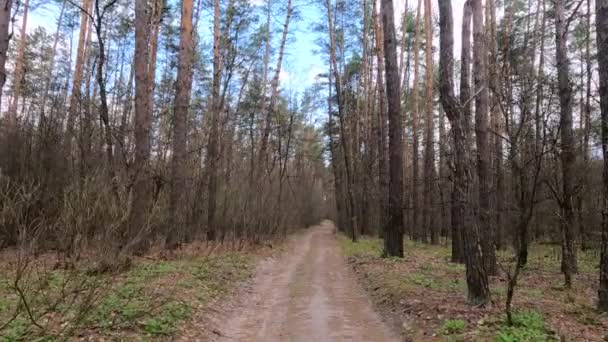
(307, 294)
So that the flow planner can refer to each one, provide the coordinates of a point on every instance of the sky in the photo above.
(301, 62)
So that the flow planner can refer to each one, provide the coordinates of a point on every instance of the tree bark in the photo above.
(567, 155)
(143, 117)
(481, 134)
(274, 93)
(341, 113)
(19, 68)
(381, 131)
(465, 100)
(177, 222)
(430, 225)
(393, 237)
(601, 17)
(213, 148)
(477, 279)
(419, 232)
(75, 95)
(5, 21)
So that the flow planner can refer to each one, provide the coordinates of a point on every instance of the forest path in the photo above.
(307, 294)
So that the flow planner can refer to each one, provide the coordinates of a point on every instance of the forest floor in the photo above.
(424, 295)
(306, 294)
(153, 300)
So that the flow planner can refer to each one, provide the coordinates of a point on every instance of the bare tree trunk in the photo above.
(443, 177)
(465, 70)
(586, 129)
(419, 232)
(496, 138)
(381, 129)
(477, 279)
(465, 99)
(253, 172)
(481, 134)
(177, 222)
(430, 225)
(601, 18)
(5, 21)
(19, 68)
(104, 112)
(568, 156)
(393, 237)
(341, 114)
(51, 67)
(143, 117)
(274, 93)
(213, 148)
(75, 96)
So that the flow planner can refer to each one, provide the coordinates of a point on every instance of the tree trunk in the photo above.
(19, 68)
(104, 112)
(143, 117)
(481, 134)
(213, 148)
(75, 96)
(419, 232)
(381, 131)
(177, 222)
(5, 36)
(465, 121)
(274, 94)
(477, 279)
(393, 237)
(341, 113)
(567, 155)
(430, 225)
(601, 8)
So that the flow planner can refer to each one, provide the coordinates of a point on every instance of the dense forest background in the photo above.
(125, 129)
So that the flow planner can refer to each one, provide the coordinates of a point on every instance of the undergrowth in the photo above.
(428, 292)
(148, 301)
(528, 326)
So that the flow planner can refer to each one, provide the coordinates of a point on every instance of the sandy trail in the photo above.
(307, 294)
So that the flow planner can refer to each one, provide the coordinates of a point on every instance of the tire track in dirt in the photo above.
(307, 294)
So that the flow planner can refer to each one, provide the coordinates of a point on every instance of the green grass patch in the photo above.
(453, 326)
(365, 247)
(151, 299)
(528, 326)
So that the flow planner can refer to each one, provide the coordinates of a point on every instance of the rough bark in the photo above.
(457, 227)
(430, 225)
(212, 147)
(393, 237)
(418, 228)
(5, 20)
(183, 85)
(601, 8)
(341, 113)
(477, 279)
(142, 123)
(381, 131)
(567, 154)
(465, 69)
(274, 91)
(481, 135)
(19, 68)
(75, 95)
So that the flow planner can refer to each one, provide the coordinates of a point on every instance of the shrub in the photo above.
(453, 326)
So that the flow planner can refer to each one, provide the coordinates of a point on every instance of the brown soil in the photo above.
(308, 293)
